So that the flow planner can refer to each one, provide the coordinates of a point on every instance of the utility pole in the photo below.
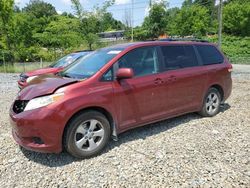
(220, 23)
(132, 36)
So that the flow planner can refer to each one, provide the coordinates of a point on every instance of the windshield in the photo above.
(68, 59)
(90, 64)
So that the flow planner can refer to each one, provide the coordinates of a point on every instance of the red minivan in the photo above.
(118, 88)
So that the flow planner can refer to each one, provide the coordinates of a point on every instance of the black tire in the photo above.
(208, 104)
(81, 122)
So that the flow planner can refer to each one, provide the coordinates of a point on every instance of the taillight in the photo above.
(230, 68)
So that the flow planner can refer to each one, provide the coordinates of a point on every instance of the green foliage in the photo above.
(156, 21)
(235, 48)
(78, 8)
(237, 18)
(187, 3)
(91, 39)
(209, 4)
(140, 34)
(40, 9)
(6, 10)
(94, 22)
(108, 23)
(61, 33)
(193, 20)
(6, 15)
(171, 25)
(37, 31)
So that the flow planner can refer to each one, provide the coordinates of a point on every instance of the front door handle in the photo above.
(158, 81)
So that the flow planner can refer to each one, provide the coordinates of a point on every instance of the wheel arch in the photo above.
(220, 89)
(103, 111)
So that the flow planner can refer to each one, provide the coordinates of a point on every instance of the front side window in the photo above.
(209, 54)
(90, 64)
(143, 61)
(176, 57)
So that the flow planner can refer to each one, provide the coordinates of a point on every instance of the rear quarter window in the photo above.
(177, 57)
(209, 54)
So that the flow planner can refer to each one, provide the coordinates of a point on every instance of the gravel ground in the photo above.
(188, 151)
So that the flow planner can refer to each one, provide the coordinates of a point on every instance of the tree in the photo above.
(40, 9)
(171, 17)
(127, 20)
(187, 3)
(68, 15)
(6, 16)
(62, 33)
(40, 14)
(209, 4)
(93, 22)
(21, 35)
(108, 23)
(155, 23)
(193, 20)
(237, 19)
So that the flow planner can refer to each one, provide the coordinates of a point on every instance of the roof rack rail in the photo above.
(77, 51)
(183, 39)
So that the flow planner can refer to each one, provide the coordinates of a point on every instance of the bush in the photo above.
(236, 48)
(236, 18)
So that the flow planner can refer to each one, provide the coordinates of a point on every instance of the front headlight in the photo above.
(43, 101)
(30, 78)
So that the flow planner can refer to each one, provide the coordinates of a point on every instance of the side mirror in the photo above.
(124, 73)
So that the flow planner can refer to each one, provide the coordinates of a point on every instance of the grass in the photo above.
(240, 60)
(237, 49)
(22, 67)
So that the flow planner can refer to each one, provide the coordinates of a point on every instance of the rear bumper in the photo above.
(42, 124)
(227, 88)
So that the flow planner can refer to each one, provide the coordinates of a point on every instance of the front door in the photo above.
(137, 99)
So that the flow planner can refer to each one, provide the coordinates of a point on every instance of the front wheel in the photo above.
(87, 134)
(211, 103)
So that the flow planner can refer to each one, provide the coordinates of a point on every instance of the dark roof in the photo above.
(183, 39)
(126, 45)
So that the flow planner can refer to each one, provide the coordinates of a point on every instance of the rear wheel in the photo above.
(87, 134)
(211, 103)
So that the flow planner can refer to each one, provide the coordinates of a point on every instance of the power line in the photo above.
(128, 6)
(144, 7)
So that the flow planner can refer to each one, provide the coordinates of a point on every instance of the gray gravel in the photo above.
(188, 151)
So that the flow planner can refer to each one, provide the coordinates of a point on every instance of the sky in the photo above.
(118, 9)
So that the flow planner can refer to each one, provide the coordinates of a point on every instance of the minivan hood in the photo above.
(46, 70)
(44, 85)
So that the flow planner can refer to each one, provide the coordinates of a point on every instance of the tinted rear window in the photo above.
(209, 54)
(176, 57)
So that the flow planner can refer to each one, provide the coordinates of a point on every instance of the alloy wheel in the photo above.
(89, 135)
(212, 103)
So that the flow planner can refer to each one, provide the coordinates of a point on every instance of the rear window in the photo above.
(209, 54)
(176, 57)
